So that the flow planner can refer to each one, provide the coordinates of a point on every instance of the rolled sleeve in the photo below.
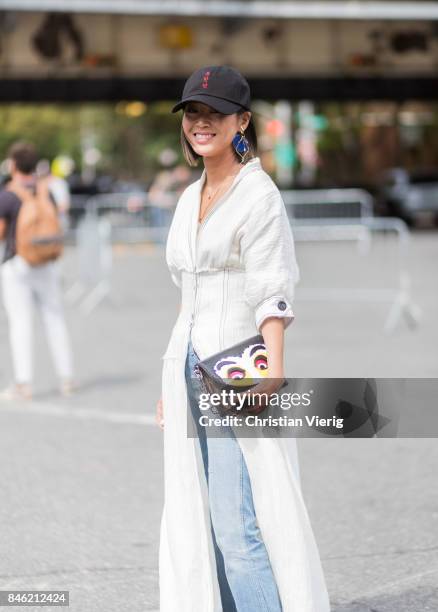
(276, 306)
(268, 255)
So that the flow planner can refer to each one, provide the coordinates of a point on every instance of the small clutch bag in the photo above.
(239, 367)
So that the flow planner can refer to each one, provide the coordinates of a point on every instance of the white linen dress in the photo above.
(234, 270)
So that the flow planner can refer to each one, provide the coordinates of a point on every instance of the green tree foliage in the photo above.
(129, 145)
(51, 128)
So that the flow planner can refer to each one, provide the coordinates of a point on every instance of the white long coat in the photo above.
(237, 269)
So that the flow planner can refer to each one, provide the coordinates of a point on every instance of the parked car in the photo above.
(408, 194)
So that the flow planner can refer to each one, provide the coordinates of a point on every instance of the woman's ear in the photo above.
(244, 120)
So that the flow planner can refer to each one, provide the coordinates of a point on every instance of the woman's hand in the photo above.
(159, 416)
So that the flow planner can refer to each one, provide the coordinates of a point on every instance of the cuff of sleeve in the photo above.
(276, 306)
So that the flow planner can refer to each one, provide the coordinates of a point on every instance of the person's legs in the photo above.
(46, 284)
(193, 391)
(246, 559)
(18, 302)
(244, 570)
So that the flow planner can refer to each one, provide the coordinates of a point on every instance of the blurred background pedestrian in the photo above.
(26, 285)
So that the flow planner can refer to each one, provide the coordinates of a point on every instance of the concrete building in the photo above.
(130, 49)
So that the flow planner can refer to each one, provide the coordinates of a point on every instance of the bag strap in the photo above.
(23, 194)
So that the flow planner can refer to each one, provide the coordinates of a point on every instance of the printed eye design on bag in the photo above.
(252, 363)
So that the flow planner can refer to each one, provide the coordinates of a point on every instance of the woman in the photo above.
(235, 534)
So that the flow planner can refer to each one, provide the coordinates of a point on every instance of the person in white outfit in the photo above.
(25, 287)
(235, 535)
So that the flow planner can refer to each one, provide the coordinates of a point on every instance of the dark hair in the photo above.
(192, 157)
(24, 155)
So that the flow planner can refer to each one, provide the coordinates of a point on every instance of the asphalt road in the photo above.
(81, 478)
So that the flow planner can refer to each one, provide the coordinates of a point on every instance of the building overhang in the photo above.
(249, 9)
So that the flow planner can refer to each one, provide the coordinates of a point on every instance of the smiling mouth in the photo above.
(203, 138)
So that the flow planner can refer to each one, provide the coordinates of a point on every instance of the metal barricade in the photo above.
(347, 215)
(132, 216)
(328, 203)
(315, 215)
(328, 214)
(127, 218)
(94, 262)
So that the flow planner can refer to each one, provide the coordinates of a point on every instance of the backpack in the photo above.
(38, 235)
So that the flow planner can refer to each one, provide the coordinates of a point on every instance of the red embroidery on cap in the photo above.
(205, 79)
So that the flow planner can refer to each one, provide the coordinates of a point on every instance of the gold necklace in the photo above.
(211, 197)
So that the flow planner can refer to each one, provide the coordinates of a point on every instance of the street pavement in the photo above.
(81, 479)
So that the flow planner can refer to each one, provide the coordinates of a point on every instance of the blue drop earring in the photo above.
(241, 145)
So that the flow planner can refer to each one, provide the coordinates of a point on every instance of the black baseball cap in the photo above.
(221, 87)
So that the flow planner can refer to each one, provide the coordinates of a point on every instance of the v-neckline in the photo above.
(214, 207)
(196, 225)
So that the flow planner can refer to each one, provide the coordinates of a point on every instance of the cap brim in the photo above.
(219, 104)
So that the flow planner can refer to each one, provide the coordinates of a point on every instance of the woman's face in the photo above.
(209, 132)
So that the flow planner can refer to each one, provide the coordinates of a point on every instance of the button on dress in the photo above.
(234, 270)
